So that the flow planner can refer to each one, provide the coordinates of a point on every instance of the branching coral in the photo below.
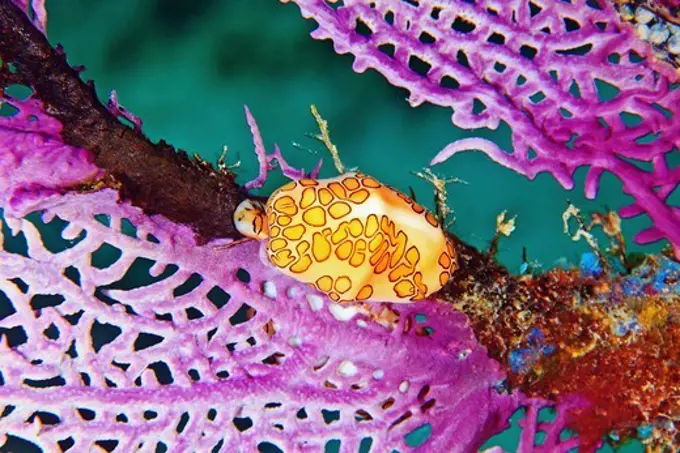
(212, 347)
(577, 88)
(126, 326)
(571, 80)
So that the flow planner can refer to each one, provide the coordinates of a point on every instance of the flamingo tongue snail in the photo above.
(351, 237)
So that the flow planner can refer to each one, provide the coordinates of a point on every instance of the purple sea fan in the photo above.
(212, 348)
(124, 331)
(572, 81)
(28, 139)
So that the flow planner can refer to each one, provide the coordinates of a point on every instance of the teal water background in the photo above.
(187, 67)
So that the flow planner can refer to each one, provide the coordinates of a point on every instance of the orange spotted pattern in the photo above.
(356, 239)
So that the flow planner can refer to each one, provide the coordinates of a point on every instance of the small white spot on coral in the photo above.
(347, 368)
(378, 374)
(342, 313)
(674, 44)
(659, 33)
(269, 289)
(403, 387)
(295, 341)
(642, 31)
(643, 15)
(361, 323)
(315, 302)
(293, 291)
(464, 354)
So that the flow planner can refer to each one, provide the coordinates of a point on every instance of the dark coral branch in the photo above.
(152, 176)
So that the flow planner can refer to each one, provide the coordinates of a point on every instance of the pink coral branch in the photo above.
(188, 345)
(267, 161)
(107, 361)
(118, 110)
(509, 160)
(552, 430)
(542, 68)
(39, 12)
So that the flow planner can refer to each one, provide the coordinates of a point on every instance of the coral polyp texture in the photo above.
(611, 339)
(572, 80)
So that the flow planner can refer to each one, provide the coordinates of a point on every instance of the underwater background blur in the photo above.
(187, 67)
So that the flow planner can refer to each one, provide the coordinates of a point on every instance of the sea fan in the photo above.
(121, 331)
(570, 78)
(129, 323)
